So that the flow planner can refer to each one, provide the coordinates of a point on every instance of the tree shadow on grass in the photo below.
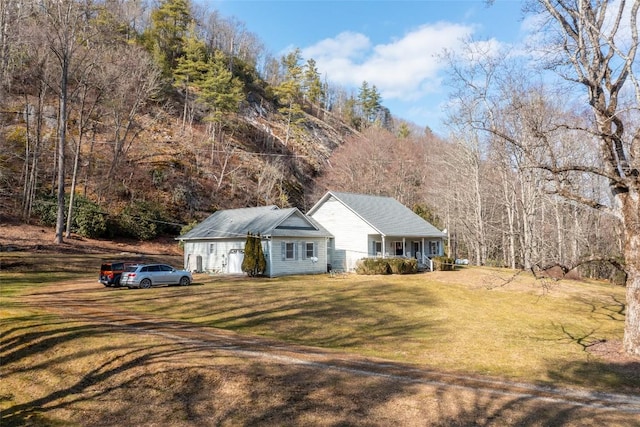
(206, 379)
(606, 365)
(597, 374)
(336, 318)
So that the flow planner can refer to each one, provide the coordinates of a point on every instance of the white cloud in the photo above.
(344, 45)
(404, 69)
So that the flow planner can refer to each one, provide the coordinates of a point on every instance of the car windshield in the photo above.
(131, 268)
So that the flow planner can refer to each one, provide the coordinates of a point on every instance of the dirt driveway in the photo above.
(116, 367)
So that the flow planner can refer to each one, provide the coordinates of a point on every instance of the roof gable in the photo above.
(385, 214)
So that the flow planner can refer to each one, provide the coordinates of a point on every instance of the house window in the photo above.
(212, 248)
(309, 250)
(434, 247)
(289, 250)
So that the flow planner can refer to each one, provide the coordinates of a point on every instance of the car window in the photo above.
(105, 267)
(166, 268)
(145, 269)
(131, 268)
(154, 268)
(117, 266)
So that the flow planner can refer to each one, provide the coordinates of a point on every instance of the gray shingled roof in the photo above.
(385, 214)
(263, 220)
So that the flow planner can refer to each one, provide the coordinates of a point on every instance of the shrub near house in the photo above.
(368, 266)
(443, 263)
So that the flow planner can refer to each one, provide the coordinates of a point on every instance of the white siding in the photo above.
(294, 221)
(300, 264)
(350, 231)
(214, 253)
(214, 261)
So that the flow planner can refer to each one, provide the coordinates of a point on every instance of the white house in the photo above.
(292, 242)
(374, 226)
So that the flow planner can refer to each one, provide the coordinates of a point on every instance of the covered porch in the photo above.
(423, 249)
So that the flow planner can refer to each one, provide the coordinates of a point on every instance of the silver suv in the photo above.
(147, 275)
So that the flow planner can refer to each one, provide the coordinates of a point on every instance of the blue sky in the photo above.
(390, 44)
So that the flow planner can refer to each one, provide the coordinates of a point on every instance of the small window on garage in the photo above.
(290, 251)
(310, 250)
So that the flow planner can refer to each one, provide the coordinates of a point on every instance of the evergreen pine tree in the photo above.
(404, 131)
(192, 66)
(289, 92)
(219, 89)
(254, 262)
(261, 261)
(165, 37)
(249, 260)
(369, 99)
(191, 69)
(312, 84)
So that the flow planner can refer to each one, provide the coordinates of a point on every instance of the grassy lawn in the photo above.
(59, 370)
(461, 321)
(444, 320)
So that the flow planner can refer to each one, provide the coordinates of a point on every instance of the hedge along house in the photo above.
(374, 226)
(292, 242)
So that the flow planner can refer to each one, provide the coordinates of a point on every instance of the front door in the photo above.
(399, 248)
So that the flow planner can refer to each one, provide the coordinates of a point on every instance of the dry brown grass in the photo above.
(76, 353)
(83, 365)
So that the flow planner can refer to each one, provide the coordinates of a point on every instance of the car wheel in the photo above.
(145, 284)
(184, 281)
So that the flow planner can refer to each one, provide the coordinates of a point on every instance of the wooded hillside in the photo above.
(159, 114)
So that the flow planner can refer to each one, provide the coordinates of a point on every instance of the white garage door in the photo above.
(235, 260)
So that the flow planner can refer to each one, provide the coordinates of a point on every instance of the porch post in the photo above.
(384, 247)
(423, 254)
(404, 247)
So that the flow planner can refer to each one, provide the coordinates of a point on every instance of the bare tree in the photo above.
(595, 48)
(11, 12)
(223, 153)
(465, 162)
(64, 31)
(89, 94)
(130, 78)
(378, 162)
(231, 36)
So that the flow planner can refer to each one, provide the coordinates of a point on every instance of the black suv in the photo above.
(110, 272)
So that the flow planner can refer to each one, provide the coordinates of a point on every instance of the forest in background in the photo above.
(151, 116)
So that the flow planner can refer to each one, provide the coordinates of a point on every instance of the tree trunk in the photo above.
(62, 142)
(631, 217)
(72, 193)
